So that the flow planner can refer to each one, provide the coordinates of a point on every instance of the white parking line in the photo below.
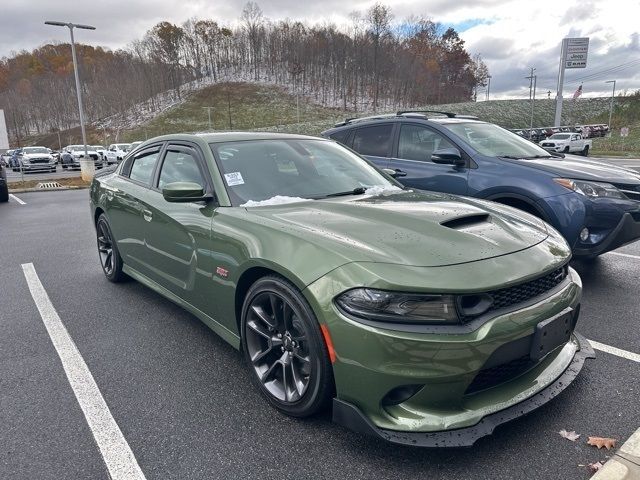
(637, 257)
(120, 461)
(11, 195)
(615, 351)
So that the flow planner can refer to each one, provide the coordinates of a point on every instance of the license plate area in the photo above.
(551, 333)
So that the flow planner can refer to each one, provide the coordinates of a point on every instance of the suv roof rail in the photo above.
(447, 114)
(347, 121)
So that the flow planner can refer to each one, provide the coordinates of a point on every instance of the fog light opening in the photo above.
(400, 394)
(584, 234)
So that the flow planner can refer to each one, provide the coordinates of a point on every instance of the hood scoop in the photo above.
(466, 221)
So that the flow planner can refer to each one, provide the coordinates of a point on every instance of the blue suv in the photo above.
(595, 205)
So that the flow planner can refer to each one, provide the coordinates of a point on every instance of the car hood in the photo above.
(408, 228)
(581, 168)
(36, 155)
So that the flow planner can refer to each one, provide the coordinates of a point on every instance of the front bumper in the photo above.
(348, 415)
(443, 364)
(32, 167)
(626, 231)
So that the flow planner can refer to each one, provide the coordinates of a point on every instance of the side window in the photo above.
(180, 166)
(341, 136)
(373, 141)
(418, 143)
(142, 166)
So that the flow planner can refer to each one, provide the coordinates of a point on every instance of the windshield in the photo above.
(493, 141)
(559, 136)
(97, 147)
(35, 150)
(262, 169)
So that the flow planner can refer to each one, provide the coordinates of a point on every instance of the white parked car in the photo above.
(75, 153)
(567, 143)
(31, 159)
(116, 152)
(100, 149)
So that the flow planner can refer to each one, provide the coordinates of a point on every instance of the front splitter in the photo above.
(350, 416)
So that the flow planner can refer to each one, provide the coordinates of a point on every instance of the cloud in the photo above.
(511, 35)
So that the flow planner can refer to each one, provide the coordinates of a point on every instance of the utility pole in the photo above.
(532, 93)
(87, 166)
(488, 85)
(613, 94)
(209, 112)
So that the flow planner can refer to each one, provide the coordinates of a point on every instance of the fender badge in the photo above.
(223, 272)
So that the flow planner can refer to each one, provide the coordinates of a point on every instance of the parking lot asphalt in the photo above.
(184, 402)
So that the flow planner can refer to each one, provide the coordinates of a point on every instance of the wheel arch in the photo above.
(520, 202)
(251, 275)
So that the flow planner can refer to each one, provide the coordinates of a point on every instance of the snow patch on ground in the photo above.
(383, 190)
(277, 200)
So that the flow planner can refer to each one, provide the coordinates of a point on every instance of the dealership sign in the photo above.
(575, 52)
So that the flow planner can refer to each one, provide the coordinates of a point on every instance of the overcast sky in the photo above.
(511, 35)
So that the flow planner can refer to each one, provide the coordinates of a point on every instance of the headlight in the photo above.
(591, 189)
(25, 160)
(370, 304)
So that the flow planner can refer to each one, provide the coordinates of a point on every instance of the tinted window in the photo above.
(341, 136)
(179, 166)
(142, 166)
(418, 143)
(373, 141)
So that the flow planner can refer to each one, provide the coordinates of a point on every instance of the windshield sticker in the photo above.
(234, 178)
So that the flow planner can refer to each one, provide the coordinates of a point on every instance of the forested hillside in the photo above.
(375, 63)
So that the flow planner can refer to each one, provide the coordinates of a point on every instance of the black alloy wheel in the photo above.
(282, 343)
(110, 259)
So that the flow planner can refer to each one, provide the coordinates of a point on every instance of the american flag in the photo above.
(578, 92)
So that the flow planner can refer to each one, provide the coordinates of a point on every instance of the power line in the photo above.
(605, 72)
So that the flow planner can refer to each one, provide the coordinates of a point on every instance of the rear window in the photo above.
(374, 141)
(340, 136)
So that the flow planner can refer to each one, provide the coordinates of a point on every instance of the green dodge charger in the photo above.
(421, 318)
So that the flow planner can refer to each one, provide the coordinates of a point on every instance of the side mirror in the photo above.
(184, 192)
(394, 173)
(448, 156)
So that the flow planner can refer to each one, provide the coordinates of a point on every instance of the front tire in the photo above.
(566, 150)
(110, 259)
(284, 348)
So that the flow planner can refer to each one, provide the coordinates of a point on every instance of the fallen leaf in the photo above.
(573, 436)
(601, 442)
(594, 467)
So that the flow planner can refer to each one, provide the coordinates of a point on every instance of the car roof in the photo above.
(219, 137)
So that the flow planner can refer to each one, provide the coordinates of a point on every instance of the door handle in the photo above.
(147, 215)
(399, 173)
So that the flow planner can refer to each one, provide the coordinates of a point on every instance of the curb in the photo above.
(625, 463)
(28, 190)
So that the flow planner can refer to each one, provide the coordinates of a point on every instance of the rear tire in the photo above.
(284, 348)
(4, 194)
(110, 259)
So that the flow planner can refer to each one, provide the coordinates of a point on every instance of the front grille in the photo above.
(547, 145)
(507, 297)
(39, 160)
(490, 377)
(631, 191)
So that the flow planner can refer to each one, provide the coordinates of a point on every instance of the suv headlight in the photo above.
(25, 160)
(398, 307)
(591, 189)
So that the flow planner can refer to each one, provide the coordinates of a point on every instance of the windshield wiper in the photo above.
(513, 157)
(355, 191)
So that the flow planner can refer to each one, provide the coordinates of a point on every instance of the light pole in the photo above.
(86, 165)
(613, 94)
(209, 111)
(488, 85)
(532, 94)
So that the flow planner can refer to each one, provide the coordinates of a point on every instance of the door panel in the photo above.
(415, 146)
(125, 206)
(177, 234)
